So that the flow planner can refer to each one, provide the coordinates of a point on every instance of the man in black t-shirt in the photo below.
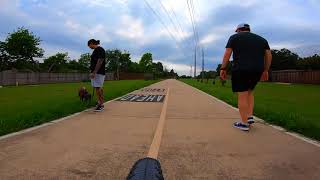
(97, 71)
(251, 62)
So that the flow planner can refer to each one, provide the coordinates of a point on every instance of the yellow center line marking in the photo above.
(155, 145)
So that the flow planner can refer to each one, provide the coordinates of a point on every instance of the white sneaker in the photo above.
(251, 120)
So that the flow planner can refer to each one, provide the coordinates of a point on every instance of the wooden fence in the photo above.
(296, 76)
(135, 76)
(8, 78)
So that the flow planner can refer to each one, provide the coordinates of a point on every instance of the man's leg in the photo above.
(240, 85)
(101, 97)
(243, 106)
(250, 103)
(99, 92)
(98, 95)
(255, 77)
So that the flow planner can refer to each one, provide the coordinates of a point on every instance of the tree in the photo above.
(185, 77)
(74, 66)
(157, 69)
(84, 62)
(158, 66)
(146, 62)
(207, 75)
(309, 63)
(172, 74)
(284, 59)
(5, 61)
(118, 59)
(166, 73)
(124, 61)
(56, 63)
(22, 46)
(211, 75)
(113, 56)
(135, 68)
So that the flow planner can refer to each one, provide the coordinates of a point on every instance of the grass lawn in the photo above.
(295, 107)
(27, 106)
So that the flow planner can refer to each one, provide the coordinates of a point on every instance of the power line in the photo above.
(181, 32)
(192, 23)
(159, 18)
(180, 26)
(198, 8)
(176, 17)
(194, 19)
(174, 24)
(199, 15)
(197, 33)
(195, 36)
(195, 23)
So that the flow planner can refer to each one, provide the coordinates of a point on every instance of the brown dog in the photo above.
(84, 95)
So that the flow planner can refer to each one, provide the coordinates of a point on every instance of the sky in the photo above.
(163, 27)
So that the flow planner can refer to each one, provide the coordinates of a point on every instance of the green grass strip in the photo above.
(27, 106)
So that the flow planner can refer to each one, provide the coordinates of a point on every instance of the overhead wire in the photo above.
(171, 20)
(192, 23)
(163, 23)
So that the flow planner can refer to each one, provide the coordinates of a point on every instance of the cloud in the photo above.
(104, 3)
(130, 28)
(181, 69)
(208, 39)
(52, 50)
(281, 45)
(308, 50)
(73, 26)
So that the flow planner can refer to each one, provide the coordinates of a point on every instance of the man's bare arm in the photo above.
(267, 60)
(226, 58)
(98, 65)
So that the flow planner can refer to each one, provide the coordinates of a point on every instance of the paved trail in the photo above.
(198, 142)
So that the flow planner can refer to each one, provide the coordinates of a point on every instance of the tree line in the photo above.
(285, 59)
(21, 50)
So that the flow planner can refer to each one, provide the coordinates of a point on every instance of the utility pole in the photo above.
(195, 62)
(202, 65)
(191, 69)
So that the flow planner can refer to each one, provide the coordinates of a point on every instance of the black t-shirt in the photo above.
(98, 53)
(248, 51)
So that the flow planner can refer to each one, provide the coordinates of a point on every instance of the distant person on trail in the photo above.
(251, 62)
(97, 70)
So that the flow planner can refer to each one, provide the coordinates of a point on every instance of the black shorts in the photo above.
(244, 81)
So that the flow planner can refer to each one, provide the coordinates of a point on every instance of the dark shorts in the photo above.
(244, 81)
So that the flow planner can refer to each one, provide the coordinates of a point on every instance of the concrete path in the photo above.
(198, 142)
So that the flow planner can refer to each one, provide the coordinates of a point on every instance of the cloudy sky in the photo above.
(67, 25)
